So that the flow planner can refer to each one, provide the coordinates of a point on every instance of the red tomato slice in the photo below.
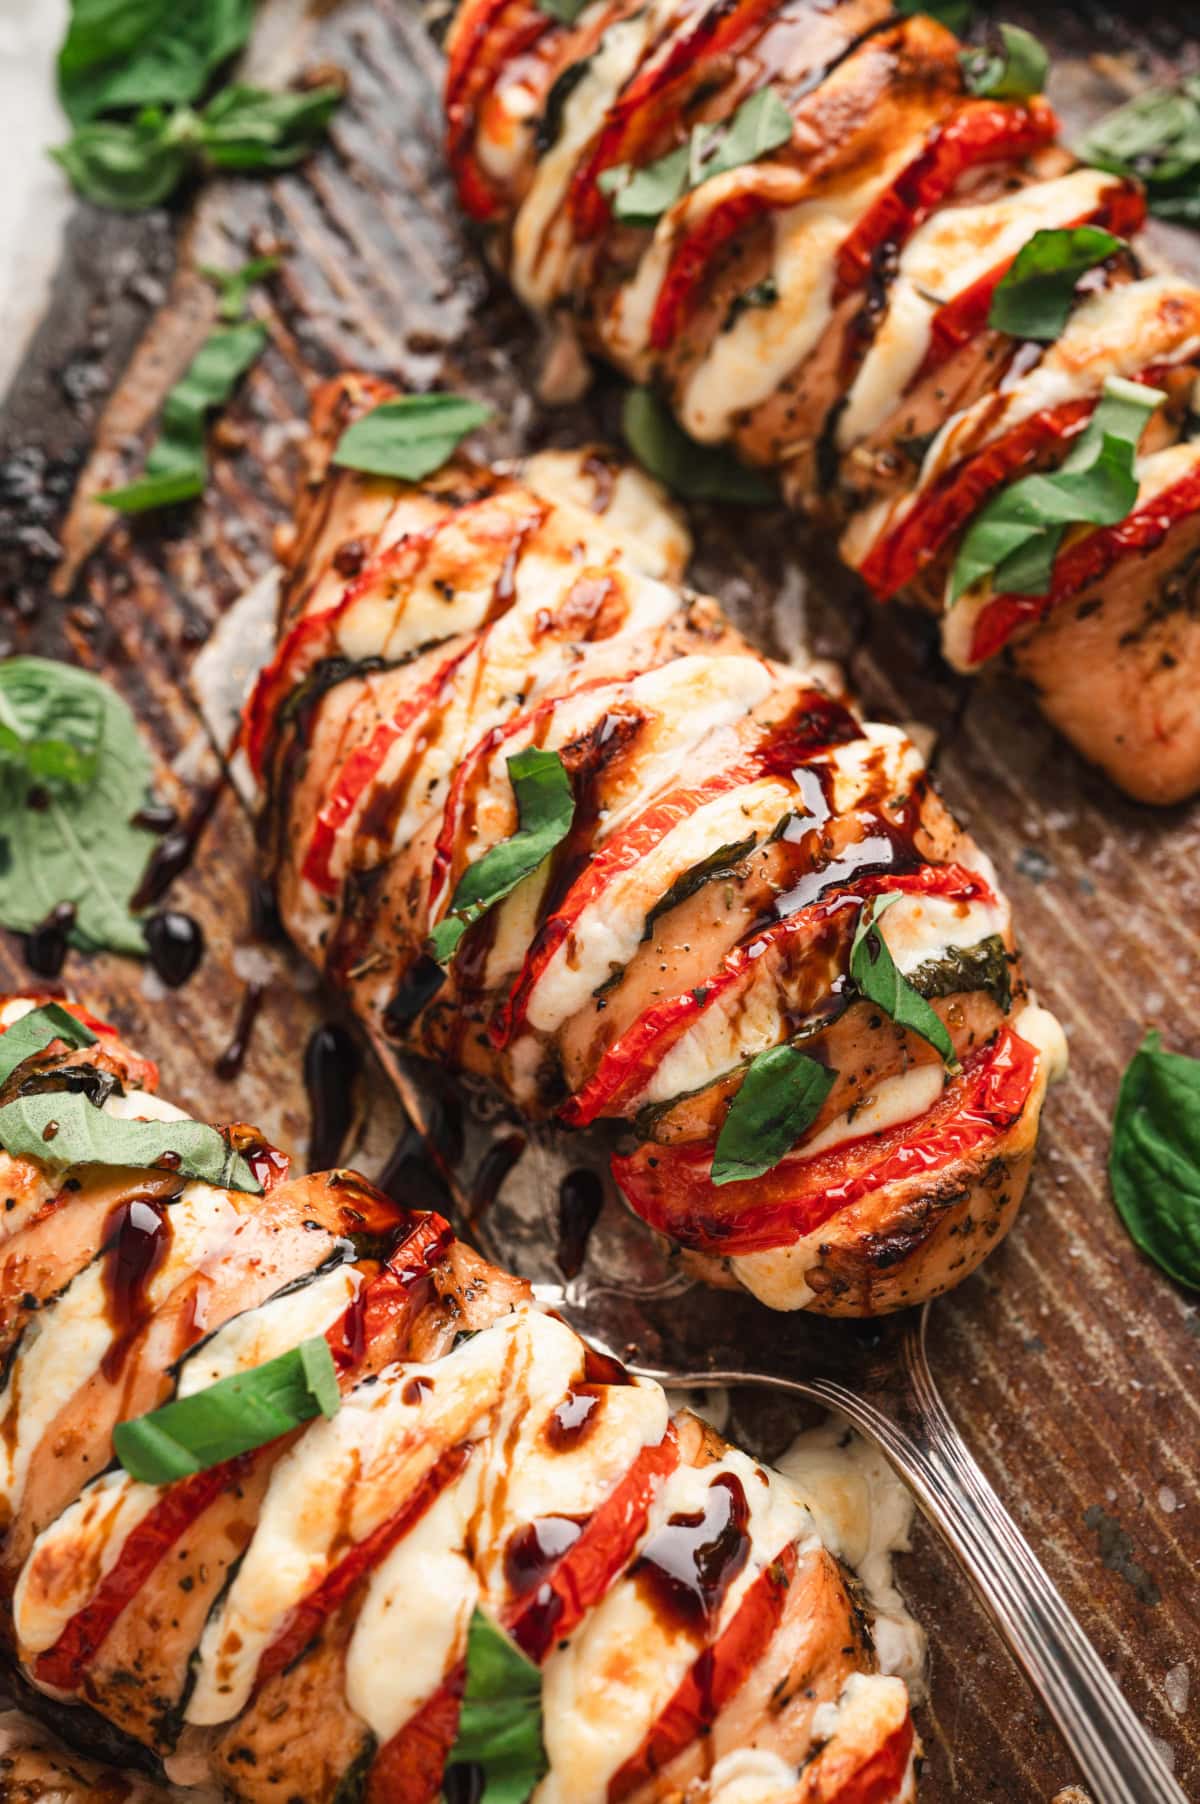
(1086, 562)
(408, 1769)
(586, 1571)
(878, 1779)
(671, 1187)
(683, 284)
(632, 1059)
(716, 1675)
(486, 37)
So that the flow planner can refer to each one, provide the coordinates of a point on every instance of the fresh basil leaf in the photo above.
(231, 1417)
(873, 970)
(565, 11)
(66, 1129)
(696, 472)
(1155, 137)
(1154, 1159)
(1011, 65)
(500, 1727)
(1016, 535)
(955, 15)
(642, 196)
(410, 437)
(961, 969)
(129, 168)
(123, 54)
(234, 285)
(781, 1095)
(48, 731)
(37, 1030)
(545, 810)
(177, 468)
(721, 863)
(250, 128)
(1034, 299)
(74, 843)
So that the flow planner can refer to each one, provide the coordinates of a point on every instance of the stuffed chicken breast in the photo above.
(303, 1500)
(548, 819)
(831, 243)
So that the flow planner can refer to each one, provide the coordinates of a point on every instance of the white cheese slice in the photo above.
(70, 1559)
(269, 1330)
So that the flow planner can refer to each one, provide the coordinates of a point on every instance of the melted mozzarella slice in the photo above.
(70, 1559)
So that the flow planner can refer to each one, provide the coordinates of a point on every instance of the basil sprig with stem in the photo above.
(1154, 1159)
(37, 1030)
(694, 472)
(500, 1725)
(1010, 65)
(117, 57)
(1016, 535)
(545, 811)
(1034, 298)
(781, 1095)
(234, 1416)
(642, 196)
(1155, 137)
(410, 437)
(873, 970)
(63, 1130)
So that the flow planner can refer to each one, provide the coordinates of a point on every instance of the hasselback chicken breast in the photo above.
(303, 1498)
(550, 820)
(863, 263)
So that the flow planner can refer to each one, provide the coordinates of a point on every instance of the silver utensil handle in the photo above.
(1116, 1756)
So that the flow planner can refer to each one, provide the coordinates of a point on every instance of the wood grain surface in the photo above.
(1070, 1363)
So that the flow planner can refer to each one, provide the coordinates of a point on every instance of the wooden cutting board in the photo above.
(1070, 1363)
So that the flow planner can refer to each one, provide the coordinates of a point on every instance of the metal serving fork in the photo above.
(631, 1299)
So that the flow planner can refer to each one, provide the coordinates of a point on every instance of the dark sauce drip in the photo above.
(266, 1162)
(602, 1368)
(494, 1167)
(46, 946)
(534, 1551)
(464, 1783)
(815, 722)
(74, 1080)
(265, 924)
(176, 849)
(411, 1176)
(586, 761)
(419, 985)
(416, 1390)
(231, 1061)
(331, 1067)
(175, 943)
(575, 1418)
(156, 817)
(689, 1565)
(137, 1235)
(580, 1200)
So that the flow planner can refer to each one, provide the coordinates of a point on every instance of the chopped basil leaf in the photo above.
(874, 971)
(139, 53)
(500, 1727)
(955, 15)
(1011, 65)
(135, 164)
(1154, 1160)
(409, 437)
(961, 969)
(1016, 535)
(233, 1416)
(641, 196)
(50, 731)
(1155, 137)
(67, 810)
(37, 1030)
(545, 810)
(66, 1130)
(721, 863)
(565, 11)
(1034, 299)
(176, 468)
(695, 472)
(781, 1095)
(234, 285)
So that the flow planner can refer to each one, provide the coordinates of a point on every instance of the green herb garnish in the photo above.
(1155, 137)
(873, 970)
(1011, 65)
(66, 1129)
(410, 437)
(119, 55)
(500, 1727)
(233, 1416)
(695, 472)
(37, 1030)
(565, 11)
(641, 196)
(719, 864)
(782, 1094)
(545, 811)
(1154, 1160)
(1034, 299)
(234, 285)
(73, 774)
(1016, 536)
